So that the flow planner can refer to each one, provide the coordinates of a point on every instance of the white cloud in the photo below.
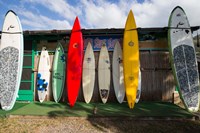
(155, 13)
(150, 13)
(63, 8)
(104, 13)
(40, 22)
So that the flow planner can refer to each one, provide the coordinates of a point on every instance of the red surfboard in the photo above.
(74, 63)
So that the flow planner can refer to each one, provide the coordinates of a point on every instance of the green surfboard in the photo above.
(58, 73)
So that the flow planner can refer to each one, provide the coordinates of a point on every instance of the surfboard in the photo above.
(74, 63)
(183, 59)
(104, 74)
(139, 90)
(58, 73)
(131, 59)
(43, 74)
(117, 73)
(88, 76)
(11, 60)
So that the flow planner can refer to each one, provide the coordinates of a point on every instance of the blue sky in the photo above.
(60, 14)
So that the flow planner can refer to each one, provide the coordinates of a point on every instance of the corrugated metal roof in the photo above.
(92, 31)
(105, 31)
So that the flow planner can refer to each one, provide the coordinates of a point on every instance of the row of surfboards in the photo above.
(88, 74)
(76, 64)
(182, 56)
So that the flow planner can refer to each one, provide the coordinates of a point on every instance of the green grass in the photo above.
(142, 109)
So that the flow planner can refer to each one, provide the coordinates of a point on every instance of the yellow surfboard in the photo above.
(131, 59)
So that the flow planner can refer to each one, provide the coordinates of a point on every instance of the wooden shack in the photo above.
(157, 78)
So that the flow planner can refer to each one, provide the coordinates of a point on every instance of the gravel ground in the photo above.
(94, 125)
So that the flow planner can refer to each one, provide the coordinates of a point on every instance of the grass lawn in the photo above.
(142, 109)
(102, 121)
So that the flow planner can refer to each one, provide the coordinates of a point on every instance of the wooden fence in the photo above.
(157, 78)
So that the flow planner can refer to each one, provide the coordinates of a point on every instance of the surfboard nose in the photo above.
(76, 26)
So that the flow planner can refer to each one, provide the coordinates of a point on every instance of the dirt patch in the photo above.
(92, 125)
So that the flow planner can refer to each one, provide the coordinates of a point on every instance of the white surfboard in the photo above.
(139, 87)
(183, 59)
(43, 75)
(117, 73)
(11, 60)
(88, 75)
(104, 74)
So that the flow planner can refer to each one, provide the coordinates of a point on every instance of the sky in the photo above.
(60, 14)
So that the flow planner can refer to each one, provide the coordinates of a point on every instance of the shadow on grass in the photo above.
(17, 106)
(142, 109)
(120, 117)
(113, 115)
(62, 109)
